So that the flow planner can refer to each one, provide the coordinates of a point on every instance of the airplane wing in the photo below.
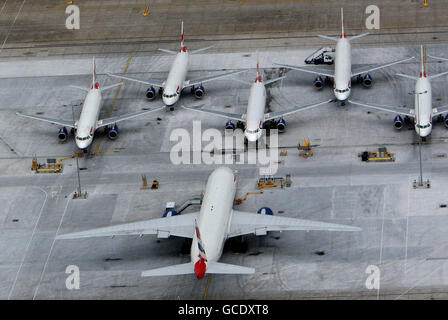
(222, 114)
(396, 110)
(151, 82)
(65, 123)
(440, 110)
(361, 70)
(277, 114)
(109, 121)
(178, 226)
(319, 71)
(252, 223)
(197, 81)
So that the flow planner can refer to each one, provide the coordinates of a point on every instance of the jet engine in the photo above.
(266, 211)
(445, 121)
(151, 93)
(62, 134)
(281, 125)
(319, 82)
(199, 92)
(230, 125)
(398, 122)
(367, 80)
(113, 132)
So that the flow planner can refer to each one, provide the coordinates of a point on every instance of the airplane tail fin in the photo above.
(423, 61)
(182, 46)
(93, 72)
(189, 268)
(343, 35)
(259, 78)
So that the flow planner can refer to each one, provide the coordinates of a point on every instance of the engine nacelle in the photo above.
(398, 122)
(319, 82)
(170, 213)
(199, 92)
(62, 134)
(266, 211)
(113, 132)
(230, 125)
(281, 125)
(151, 93)
(445, 121)
(367, 80)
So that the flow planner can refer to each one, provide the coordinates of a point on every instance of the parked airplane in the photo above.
(209, 228)
(423, 111)
(343, 72)
(255, 117)
(172, 87)
(88, 122)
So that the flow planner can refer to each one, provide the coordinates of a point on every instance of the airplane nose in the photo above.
(83, 144)
(423, 132)
(169, 102)
(342, 96)
(251, 137)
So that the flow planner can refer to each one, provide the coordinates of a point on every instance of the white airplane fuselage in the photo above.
(342, 69)
(89, 117)
(176, 78)
(423, 106)
(255, 111)
(215, 215)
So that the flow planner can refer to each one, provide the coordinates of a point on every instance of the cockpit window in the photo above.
(253, 131)
(169, 95)
(423, 126)
(341, 91)
(82, 138)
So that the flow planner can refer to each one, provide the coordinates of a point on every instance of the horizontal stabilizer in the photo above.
(80, 88)
(200, 50)
(224, 268)
(437, 75)
(178, 269)
(327, 37)
(111, 86)
(168, 51)
(358, 36)
(188, 268)
(407, 76)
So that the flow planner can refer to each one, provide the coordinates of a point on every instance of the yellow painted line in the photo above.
(206, 287)
(97, 149)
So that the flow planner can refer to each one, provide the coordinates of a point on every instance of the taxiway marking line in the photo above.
(51, 249)
(12, 25)
(206, 287)
(381, 242)
(97, 149)
(29, 242)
